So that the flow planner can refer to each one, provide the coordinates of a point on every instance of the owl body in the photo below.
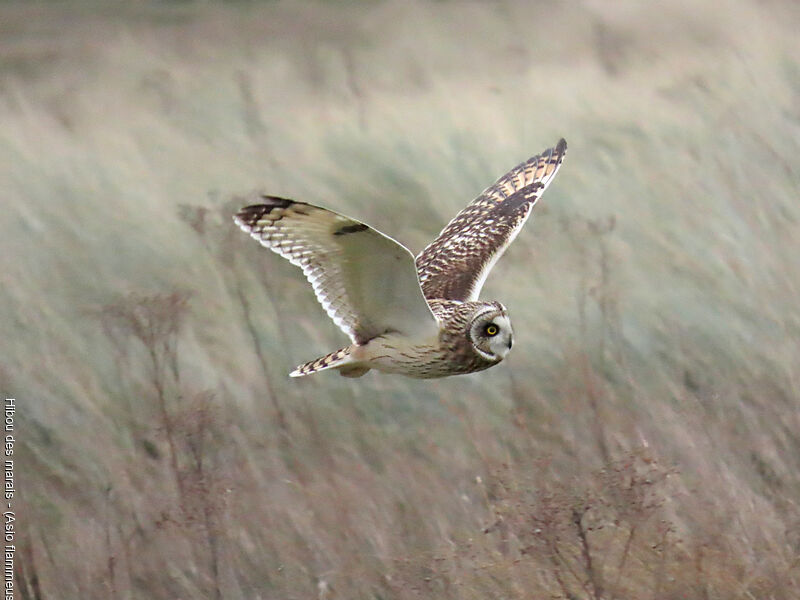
(418, 317)
(453, 350)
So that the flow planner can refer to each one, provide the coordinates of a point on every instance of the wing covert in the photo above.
(455, 265)
(366, 281)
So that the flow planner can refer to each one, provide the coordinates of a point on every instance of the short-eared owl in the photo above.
(420, 318)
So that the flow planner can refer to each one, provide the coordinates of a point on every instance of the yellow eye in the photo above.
(491, 329)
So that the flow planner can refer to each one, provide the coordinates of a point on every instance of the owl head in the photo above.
(490, 333)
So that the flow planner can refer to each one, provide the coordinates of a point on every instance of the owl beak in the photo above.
(510, 341)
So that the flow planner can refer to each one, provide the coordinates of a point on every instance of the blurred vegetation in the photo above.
(642, 440)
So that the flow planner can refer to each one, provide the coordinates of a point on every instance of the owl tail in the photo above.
(340, 359)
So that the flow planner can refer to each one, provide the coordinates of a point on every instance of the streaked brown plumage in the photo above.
(416, 317)
(456, 263)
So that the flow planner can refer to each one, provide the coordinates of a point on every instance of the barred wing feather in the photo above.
(455, 265)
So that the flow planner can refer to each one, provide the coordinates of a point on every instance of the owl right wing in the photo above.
(455, 265)
(365, 281)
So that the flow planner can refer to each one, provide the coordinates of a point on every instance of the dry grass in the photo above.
(640, 442)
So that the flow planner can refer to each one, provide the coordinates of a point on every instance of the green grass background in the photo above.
(655, 383)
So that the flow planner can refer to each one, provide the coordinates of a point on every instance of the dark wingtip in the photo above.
(249, 215)
(561, 147)
(276, 202)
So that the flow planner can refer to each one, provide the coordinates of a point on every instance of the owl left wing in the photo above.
(365, 281)
(455, 265)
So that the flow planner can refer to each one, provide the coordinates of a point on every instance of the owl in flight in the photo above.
(415, 317)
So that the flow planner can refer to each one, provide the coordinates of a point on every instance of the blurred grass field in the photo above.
(641, 441)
